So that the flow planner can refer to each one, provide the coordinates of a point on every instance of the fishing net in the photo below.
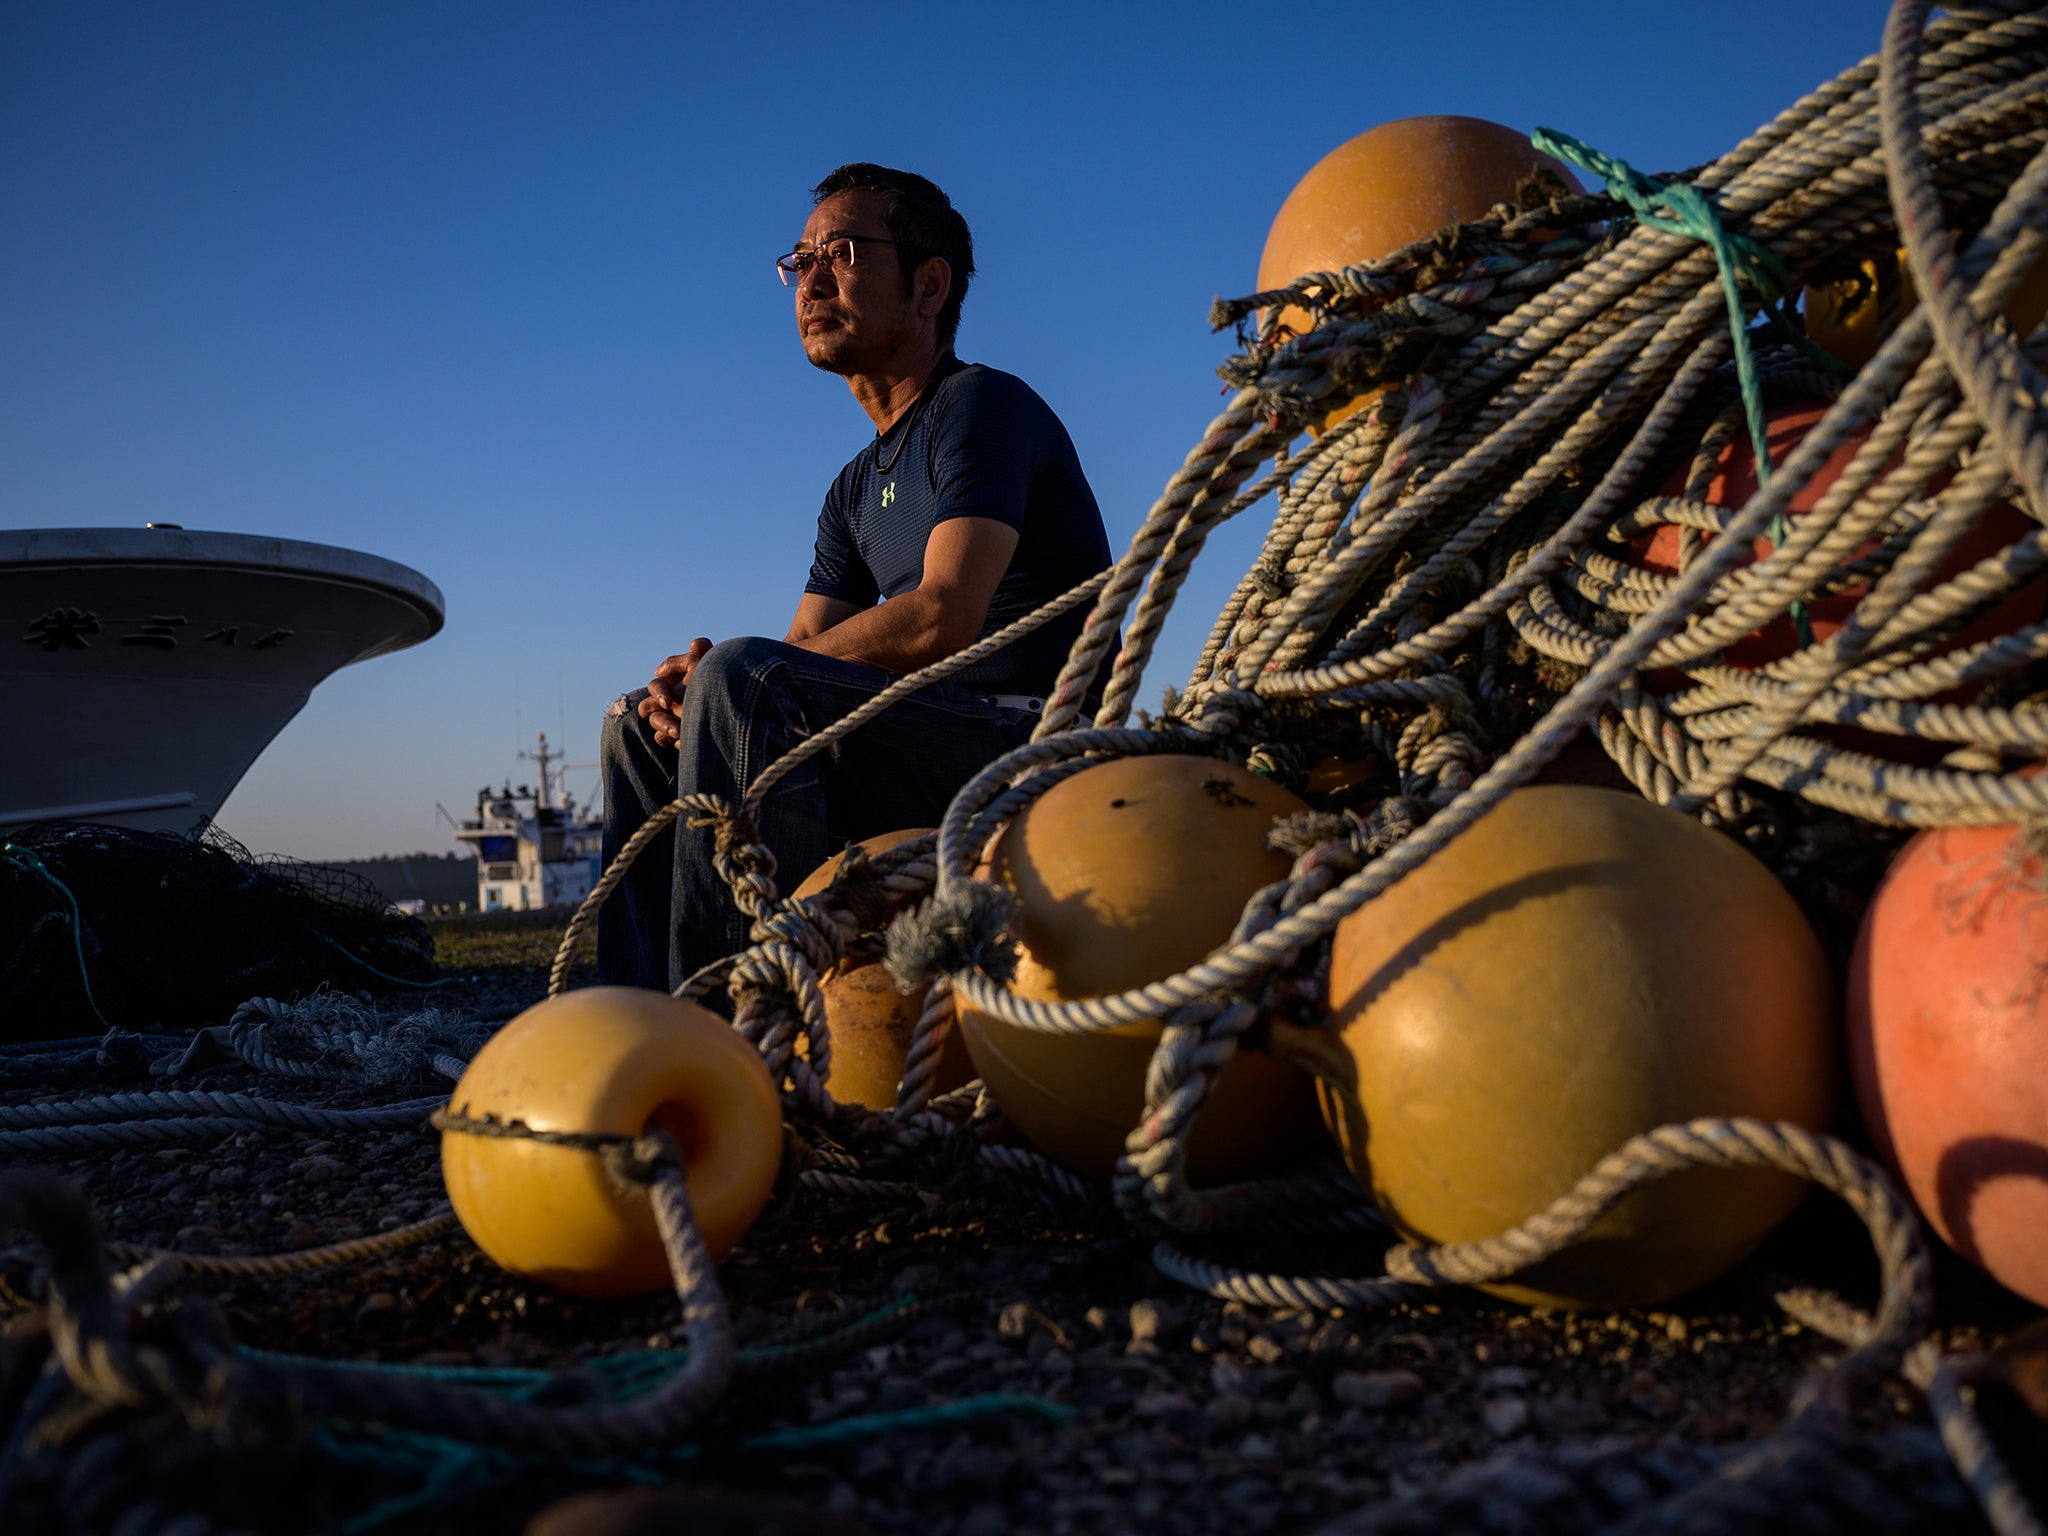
(103, 927)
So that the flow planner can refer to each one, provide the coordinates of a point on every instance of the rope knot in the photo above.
(732, 832)
(635, 1163)
(1297, 834)
(863, 889)
(954, 931)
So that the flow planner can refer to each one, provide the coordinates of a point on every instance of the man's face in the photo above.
(854, 321)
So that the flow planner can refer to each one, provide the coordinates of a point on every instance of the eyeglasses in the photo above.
(836, 253)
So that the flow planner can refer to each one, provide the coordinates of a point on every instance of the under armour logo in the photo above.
(888, 493)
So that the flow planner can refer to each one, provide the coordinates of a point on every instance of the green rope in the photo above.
(449, 1467)
(26, 859)
(446, 981)
(1679, 208)
(627, 1374)
(454, 1466)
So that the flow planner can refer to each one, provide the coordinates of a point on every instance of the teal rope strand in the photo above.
(446, 981)
(25, 859)
(451, 1467)
(1679, 208)
(628, 1374)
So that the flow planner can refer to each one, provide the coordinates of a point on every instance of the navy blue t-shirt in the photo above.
(979, 443)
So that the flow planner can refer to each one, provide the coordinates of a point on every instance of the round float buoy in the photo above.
(870, 1021)
(1948, 1042)
(608, 1061)
(1126, 873)
(1853, 316)
(1734, 482)
(1389, 187)
(1579, 966)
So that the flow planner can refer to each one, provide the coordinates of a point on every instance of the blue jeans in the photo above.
(748, 702)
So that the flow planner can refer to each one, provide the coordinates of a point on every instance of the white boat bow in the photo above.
(143, 670)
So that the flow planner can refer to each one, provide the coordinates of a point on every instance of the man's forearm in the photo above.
(901, 635)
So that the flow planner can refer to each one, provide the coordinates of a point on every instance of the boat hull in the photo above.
(143, 670)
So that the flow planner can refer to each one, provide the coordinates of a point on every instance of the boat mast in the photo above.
(543, 757)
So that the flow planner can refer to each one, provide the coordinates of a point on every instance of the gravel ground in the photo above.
(1131, 1405)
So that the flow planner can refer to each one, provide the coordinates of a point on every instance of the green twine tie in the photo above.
(1679, 208)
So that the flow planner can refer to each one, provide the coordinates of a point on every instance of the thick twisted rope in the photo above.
(88, 1330)
(175, 1127)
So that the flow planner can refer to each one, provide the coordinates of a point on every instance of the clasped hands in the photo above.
(664, 699)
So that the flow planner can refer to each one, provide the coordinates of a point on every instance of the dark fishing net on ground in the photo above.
(171, 930)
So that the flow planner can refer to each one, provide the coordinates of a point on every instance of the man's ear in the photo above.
(934, 284)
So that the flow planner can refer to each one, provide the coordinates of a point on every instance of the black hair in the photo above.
(921, 220)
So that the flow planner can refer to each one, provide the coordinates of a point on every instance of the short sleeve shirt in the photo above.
(979, 443)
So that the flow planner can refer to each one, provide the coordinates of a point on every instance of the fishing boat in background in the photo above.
(147, 668)
(534, 846)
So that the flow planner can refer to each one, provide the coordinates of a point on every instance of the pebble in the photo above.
(1144, 1322)
(1133, 1448)
(899, 1393)
(1155, 1403)
(1228, 1410)
(1376, 1389)
(1505, 1416)
(922, 1279)
(321, 1170)
(1265, 1350)
(970, 1469)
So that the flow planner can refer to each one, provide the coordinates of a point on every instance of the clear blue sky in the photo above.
(485, 288)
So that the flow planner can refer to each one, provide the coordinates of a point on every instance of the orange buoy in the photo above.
(1734, 482)
(608, 1061)
(870, 1021)
(1948, 1042)
(1126, 873)
(1389, 187)
(1578, 967)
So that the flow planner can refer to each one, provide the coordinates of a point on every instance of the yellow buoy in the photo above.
(870, 1021)
(1126, 873)
(1577, 967)
(608, 1061)
(1392, 186)
(1853, 316)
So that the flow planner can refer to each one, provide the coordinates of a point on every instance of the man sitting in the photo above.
(967, 511)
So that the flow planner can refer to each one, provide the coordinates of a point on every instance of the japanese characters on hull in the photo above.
(75, 628)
